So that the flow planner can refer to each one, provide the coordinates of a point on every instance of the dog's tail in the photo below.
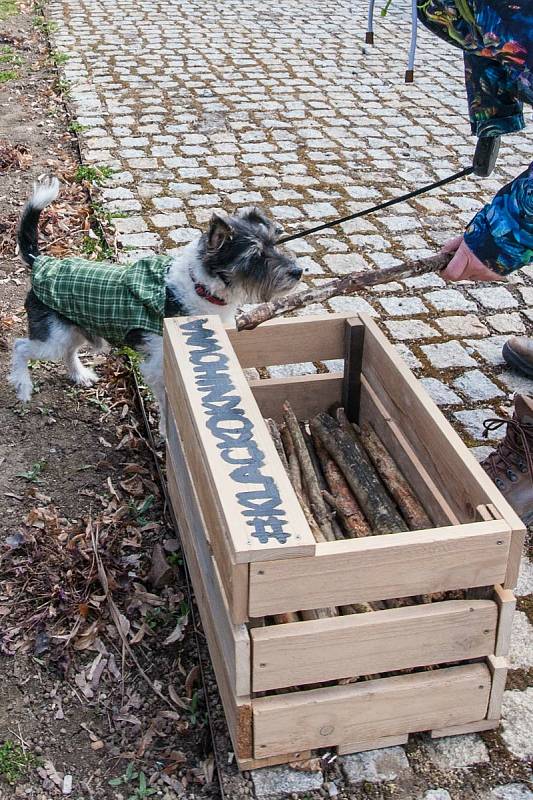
(44, 193)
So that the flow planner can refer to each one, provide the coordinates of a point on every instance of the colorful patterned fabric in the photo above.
(106, 300)
(497, 39)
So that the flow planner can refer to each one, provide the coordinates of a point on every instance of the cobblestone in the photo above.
(455, 752)
(468, 325)
(521, 649)
(494, 297)
(449, 354)
(375, 766)
(271, 781)
(450, 300)
(473, 420)
(513, 791)
(507, 323)
(411, 329)
(440, 393)
(476, 386)
(517, 722)
(437, 794)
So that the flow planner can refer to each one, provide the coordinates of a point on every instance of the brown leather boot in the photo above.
(511, 465)
(518, 353)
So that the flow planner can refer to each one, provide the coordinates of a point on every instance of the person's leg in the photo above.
(511, 465)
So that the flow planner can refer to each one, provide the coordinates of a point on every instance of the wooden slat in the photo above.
(375, 744)
(498, 670)
(234, 640)
(372, 410)
(289, 341)
(365, 644)
(237, 464)
(238, 710)
(187, 458)
(307, 394)
(371, 709)
(506, 603)
(382, 567)
(353, 361)
(259, 763)
(454, 469)
(468, 727)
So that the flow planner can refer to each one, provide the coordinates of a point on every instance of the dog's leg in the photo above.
(56, 344)
(152, 370)
(19, 376)
(78, 374)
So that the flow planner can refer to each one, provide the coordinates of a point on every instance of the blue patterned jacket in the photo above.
(497, 39)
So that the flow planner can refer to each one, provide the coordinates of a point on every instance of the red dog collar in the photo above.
(203, 291)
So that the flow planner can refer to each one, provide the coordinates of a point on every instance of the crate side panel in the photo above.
(447, 459)
(233, 640)
(371, 709)
(371, 643)
(238, 710)
(382, 567)
(262, 516)
(290, 341)
(234, 576)
(307, 394)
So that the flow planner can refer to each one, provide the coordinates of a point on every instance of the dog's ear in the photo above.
(220, 231)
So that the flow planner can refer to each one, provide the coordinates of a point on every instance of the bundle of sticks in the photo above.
(349, 486)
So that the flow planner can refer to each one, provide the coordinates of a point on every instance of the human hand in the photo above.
(465, 266)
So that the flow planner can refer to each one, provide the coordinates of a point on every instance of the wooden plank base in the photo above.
(468, 727)
(374, 744)
(273, 761)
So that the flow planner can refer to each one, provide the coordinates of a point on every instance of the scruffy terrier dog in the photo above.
(74, 302)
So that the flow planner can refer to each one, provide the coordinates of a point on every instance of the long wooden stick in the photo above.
(412, 510)
(349, 284)
(360, 475)
(308, 439)
(276, 438)
(350, 514)
(316, 501)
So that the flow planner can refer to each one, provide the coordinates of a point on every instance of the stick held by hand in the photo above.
(348, 284)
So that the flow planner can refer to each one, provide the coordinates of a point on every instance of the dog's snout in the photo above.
(296, 273)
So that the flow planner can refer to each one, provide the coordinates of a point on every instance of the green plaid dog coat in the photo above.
(106, 300)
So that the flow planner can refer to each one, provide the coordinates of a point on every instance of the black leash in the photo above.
(482, 165)
(401, 199)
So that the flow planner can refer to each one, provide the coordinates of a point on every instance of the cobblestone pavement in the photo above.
(204, 106)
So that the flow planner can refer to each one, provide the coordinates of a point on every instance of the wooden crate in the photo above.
(251, 553)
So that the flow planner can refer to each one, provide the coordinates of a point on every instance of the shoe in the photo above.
(511, 465)
(518, 353)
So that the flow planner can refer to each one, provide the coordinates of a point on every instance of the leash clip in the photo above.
(485, 155)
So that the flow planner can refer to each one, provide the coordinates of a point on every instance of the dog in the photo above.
(73, 302)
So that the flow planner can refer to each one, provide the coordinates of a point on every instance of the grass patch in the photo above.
(96, 175)
(32, 475)
(77, 127)
(10, 56)
(46, 26)
(15, 762)
(60, 58)
(7, 75)
(8, 8)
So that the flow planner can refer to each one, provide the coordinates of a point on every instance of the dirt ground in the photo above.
(80, 506)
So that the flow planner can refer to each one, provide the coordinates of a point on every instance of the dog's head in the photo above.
(241, 252)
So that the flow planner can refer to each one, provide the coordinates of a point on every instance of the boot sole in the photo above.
(516, 361)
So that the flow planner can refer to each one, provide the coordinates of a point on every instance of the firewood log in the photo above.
(412, 510)
(276, 438)
(360, 475)
(316, 501)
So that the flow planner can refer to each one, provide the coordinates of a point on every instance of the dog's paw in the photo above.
(84, 377)
(23, 388)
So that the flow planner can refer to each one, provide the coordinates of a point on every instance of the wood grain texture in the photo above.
(188, 460)
(450, 464)
(498, 669)
(366, 644)
(238, 710)
(372, 411)
(506, 605)
(371, 709)
(307, 394)
(382, 568)
(259, 763)
(288, 341)
(354, 338)
(234, 640)
(375, 744)
(237, 464)
(468, 727)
